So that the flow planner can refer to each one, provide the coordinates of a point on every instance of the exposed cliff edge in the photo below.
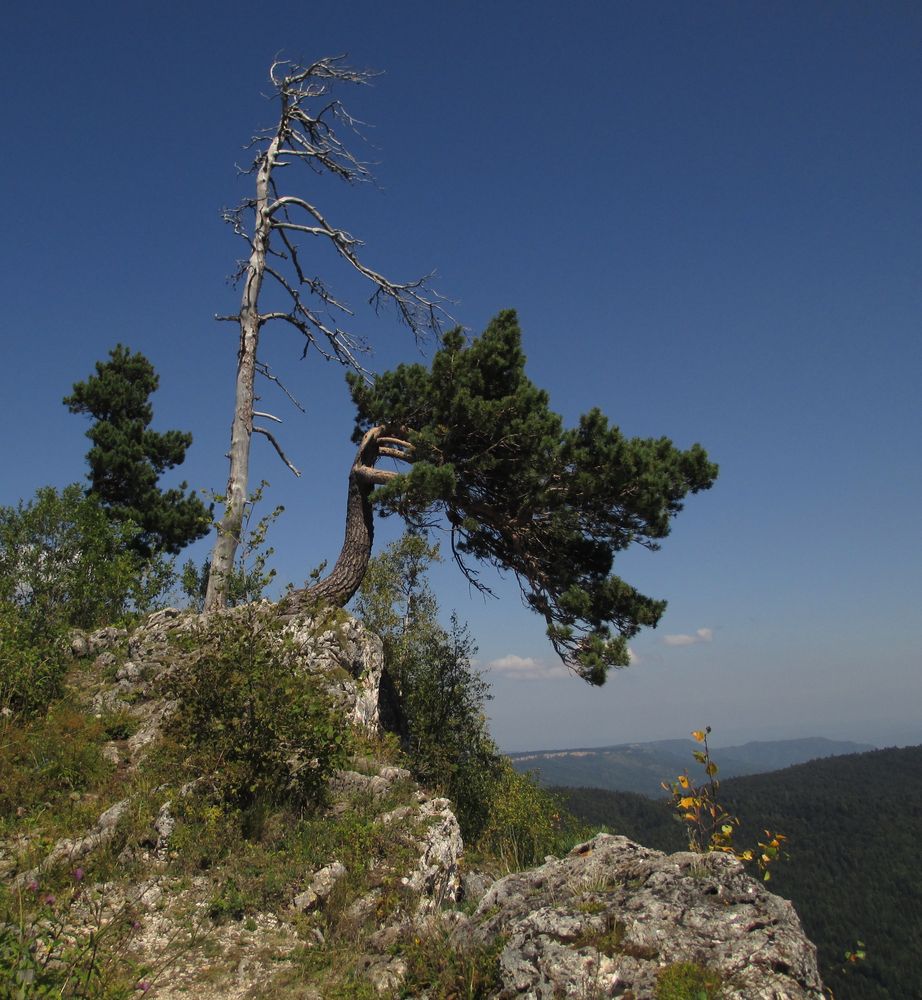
(610, 919)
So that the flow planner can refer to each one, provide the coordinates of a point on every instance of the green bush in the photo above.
(526, 823)
(64, 564)
(441, 713)
(440, 697)
(264, 732)
(31, 668)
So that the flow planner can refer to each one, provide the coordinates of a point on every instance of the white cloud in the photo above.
(525, 668)
(632, 656)
(684, 639)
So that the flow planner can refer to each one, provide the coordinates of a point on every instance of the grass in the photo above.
(232, 862)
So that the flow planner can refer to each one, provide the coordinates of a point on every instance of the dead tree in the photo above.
(274, 225)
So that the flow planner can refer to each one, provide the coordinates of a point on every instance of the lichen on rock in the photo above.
(612, 915)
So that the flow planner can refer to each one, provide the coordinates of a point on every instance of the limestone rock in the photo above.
(72, 849)
(436, 877)
(607, 919)
(352, 660)
(322, 885)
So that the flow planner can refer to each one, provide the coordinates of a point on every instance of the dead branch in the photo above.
(278, 448)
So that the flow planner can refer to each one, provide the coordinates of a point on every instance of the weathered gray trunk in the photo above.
(222, 559)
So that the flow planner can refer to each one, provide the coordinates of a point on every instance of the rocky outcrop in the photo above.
(333, 647)
(611, 918)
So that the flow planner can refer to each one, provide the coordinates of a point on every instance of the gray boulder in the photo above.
(611, 918)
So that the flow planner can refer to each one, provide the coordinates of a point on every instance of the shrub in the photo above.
(441, 713)
(709, 825)
(526, 823)
(63, 564)
(31, 668)
(251, 575)
(265, 732)
(441, 970)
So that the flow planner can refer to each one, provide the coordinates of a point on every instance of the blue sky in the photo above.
(707, 216)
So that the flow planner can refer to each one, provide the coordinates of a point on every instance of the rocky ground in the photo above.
(610, 919)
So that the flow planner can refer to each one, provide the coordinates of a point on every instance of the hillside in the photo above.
(854, 824)
(210, 806)
(641, 767)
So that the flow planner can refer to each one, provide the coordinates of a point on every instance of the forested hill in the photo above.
(854, 826)
(641, 767)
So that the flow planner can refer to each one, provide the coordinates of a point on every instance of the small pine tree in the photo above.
(127, 457)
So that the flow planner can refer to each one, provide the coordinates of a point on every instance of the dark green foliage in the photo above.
(127, 458)
(439, 697)
(440, 714)
(854, 825)
(63, 564)
(262, 732)
(650, 822)
(31, 667)
(522, 492)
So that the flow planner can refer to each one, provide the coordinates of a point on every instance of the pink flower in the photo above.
(143, 986)
(49, 900)
(32, 886)
(78, 874)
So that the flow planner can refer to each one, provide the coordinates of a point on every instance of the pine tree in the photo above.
(128, 458)
(517, 489)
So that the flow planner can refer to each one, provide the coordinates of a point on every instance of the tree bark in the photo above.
(311, 138)
(222, 559)
(344, 580)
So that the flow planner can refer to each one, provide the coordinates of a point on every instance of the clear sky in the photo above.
(707, 215)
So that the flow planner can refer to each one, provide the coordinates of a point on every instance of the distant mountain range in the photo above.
(641, 767)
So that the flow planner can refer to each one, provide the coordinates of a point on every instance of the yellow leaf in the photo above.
(698, 735)
(683, 780)
(687, 802)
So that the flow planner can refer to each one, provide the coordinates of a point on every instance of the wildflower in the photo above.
(78, 874)
(49, 900)
(143, 985)
(32, 886)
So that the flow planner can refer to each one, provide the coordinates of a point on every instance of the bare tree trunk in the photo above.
(222, 559)
(308, 304)
(344, 580)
